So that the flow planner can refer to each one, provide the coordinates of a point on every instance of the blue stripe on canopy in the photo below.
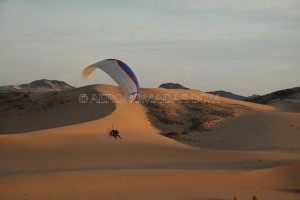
(129, 72)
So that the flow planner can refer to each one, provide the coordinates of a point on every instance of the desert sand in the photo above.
(254, 153)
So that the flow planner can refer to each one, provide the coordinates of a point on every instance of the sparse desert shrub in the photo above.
(255, 197)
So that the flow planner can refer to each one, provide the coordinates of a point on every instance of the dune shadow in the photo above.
(26, 112)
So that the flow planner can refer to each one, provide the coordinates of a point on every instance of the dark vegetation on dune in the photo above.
(179, 118)
(14, 101)
(18, 101)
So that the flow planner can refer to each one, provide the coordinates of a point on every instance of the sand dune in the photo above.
(276, 184)
(50, 110)
(288, 105)
(80, 161)
(254, 130)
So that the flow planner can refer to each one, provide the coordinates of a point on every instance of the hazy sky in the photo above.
(243, 46)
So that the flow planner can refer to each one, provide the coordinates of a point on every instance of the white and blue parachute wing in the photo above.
(120, 73)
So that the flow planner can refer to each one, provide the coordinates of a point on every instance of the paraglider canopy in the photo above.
(120, 73)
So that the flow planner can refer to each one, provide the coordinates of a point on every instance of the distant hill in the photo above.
(42, 85)
(275, 96)
(172, 86)
(287, 100)
(226, 94)
(252, 96)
